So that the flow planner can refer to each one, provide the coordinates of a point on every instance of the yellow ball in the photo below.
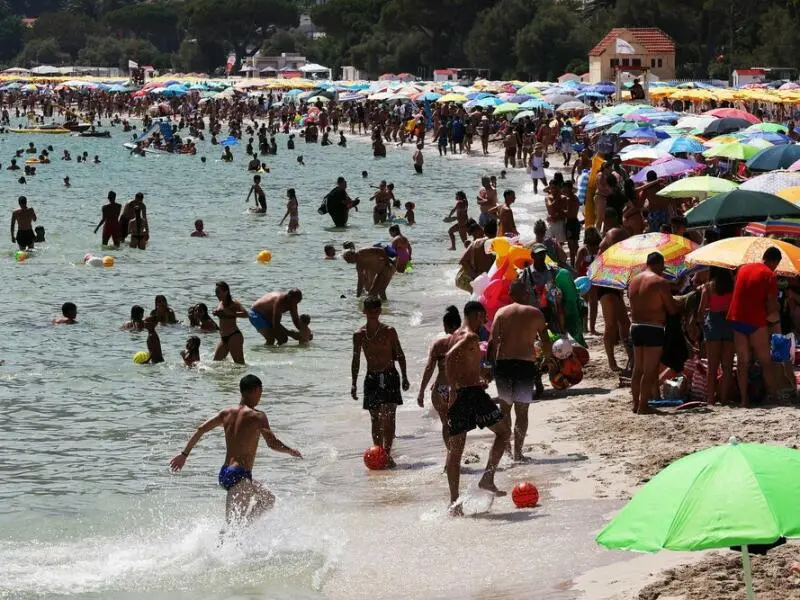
(264, 256)
(108, 261)
(141, 357)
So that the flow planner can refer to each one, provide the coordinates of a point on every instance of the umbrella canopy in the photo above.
(730, 495)
(488, 102)
(772, 182)
(456, 98)
(429, 97)
(776, 157)
(775, 227)
(536, 103)
(668, 167)
(645, 133)
(732, 151)
(680, 144)
(557, 99)
(733, 113)
(792, 194)
(318, 98)
(764, 136)
(506, 108)
(602, 88)
(622, 127)
(730, 253)
(740, 206)
(769, 127)
(572, 106)
(696, 121)
(795, 166)
(641, 155)
(521, 115)
(619, 263)
(701, 186)
(723, 126)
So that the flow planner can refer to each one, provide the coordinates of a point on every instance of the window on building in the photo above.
(659, 62)
(637, 62)
(652, 62)
(626, 62)
(614, 62)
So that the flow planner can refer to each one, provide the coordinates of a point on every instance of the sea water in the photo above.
(88, 507)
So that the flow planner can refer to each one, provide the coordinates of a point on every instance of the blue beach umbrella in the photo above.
(604, 87)
(769, 136)
(488, 102)
(536, 103)
(642, 133)
(777, 157)
(680, 144)
(429, 97)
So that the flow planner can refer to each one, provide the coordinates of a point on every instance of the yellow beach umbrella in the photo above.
(730, 253)
(792, 194)
(457, 98)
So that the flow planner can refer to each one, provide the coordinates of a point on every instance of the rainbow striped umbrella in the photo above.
(616, 266)
(776, 227)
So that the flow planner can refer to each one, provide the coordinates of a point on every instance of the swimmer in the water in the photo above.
(137, 319)
(244, 426)
(191, 353)
(364, 174)
(409, 216)
(300, 160)
(330, 252)
(69, 312)
(291, 211)
(153, 341)
(66, 182)
(303, 334)
(198, 229)
(258, 194)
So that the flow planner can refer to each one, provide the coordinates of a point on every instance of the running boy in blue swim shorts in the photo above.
(244, 426)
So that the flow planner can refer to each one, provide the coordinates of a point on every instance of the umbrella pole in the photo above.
(748, 574)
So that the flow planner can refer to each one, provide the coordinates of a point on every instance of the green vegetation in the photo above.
(524, 39)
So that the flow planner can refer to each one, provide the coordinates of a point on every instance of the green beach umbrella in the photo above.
(733, 151)
(740, 206)
(769, 127)
(730, 495)
(622, 127)
(701, 186)
(506, 108)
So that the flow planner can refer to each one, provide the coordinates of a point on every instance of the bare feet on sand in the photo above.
(455, 509)
(488, 485)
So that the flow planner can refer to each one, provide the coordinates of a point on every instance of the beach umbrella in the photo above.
(428, 97)
(668, 166)
(516, 98)
(733, 113)
(639, 155)
(772, 182)
(521, 115)
(488, 102)
(557, 99)
(774, 139)
(729, 495)
(775, 227)
(455, 98)
(732, 151)
(598, 122)
(740, 206)
(723, 126)
(792, 194)
(619, 263)
(625, 108)
(795, 166)
(591, 96)
(318, 98)
(696, 121)
(776, 157)
(506, 108)
(622, 127)
(731, 253)
(603, 87)
(571, 106)
(645, 133)
(536, 103)
(769, 127)
(680, 144)
(701, 186)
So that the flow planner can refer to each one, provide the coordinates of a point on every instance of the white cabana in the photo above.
(46, 70)
(16, 71)
(315, 69)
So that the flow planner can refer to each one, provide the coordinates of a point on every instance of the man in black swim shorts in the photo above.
(469, 405)
(382, 383)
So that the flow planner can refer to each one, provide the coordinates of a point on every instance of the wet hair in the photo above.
(372, 303)
(460, 195)
(655, 258)
(651, 176)
(248, 383)
(290, 193)
(139, 196)
(349, 246)
(592, 237)
(257, 178)
(112, 195)
(452, 318)
(723, 280)
(473, 307)
(22, 200)
(193, 342)
(198, 223)
(490, 230)
(540, 225)
(137, 313)
(227, 289)
(201, 309)
(330, 250)
(295, 294)
(772, 254)
(68, 308)
(341, 180)
(161, 298)
(394, 229)
(507, 194)
(305, 319)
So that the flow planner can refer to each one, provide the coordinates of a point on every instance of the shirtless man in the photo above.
(265, 315)
(231, 339)
(512, 349)
(469, 405)
(651, 301)
(374, 270)
(475, 259)
(461, 212)
(382, 200)
(505, 216)
(243, 426)
(487, 200)
(657, 206)
(402, 248)
(128, 212)
(382, 383)
(418, 159)
(615, 315)
(510, 144)
(109, 217)
(69, 312)
(24, 218)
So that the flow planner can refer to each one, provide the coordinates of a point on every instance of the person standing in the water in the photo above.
(260, 197)
(244, 425)
(337, 203)
(109, 219)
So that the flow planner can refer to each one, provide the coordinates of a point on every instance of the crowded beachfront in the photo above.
(580, 285)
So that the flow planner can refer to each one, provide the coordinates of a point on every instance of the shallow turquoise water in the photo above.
(88, 508)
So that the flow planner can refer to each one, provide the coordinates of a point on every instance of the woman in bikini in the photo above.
(291, 212)
(138, 229)
(440, 391)
(162, 313)
(231, 339)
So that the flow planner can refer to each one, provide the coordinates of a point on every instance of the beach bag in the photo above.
(699, 391)
(780, 348)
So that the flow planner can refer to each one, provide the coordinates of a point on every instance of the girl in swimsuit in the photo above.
(440, 391)
(138, 229)
(162, 313)
(260, 197)
(231, 339)
(291, 212)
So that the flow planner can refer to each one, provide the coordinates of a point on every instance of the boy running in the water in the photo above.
(244, 426)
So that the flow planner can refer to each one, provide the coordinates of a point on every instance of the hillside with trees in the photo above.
(523, 39)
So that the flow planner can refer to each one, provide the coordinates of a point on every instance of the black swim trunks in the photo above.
(572, 229)
(25, 238)
(381, 387)
(647, 336)
(473, 408)
(418, 168)
(516, 380)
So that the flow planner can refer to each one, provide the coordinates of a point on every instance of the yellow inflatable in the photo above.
(509, 257)
(141, 358)
(108, 261)
(264, 256)
(32, 161)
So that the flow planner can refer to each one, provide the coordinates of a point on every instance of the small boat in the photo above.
(95, 134)
(75, 126)
(51, 129)
(132, 145)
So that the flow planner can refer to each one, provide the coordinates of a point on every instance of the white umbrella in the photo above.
(572, 106)
(772, 182)
(16, 71)
(45, 70)
(695, 121)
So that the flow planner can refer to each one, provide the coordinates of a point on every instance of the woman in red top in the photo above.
(753, 312)
(715, 300)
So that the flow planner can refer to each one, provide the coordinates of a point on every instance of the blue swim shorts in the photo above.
(258, 320)
(229, 476)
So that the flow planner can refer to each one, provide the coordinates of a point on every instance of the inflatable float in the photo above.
(45, 129)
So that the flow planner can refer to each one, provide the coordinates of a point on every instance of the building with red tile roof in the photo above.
(641, 48)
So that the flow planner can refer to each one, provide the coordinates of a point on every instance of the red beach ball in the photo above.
(525, 495)
(376, 458)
